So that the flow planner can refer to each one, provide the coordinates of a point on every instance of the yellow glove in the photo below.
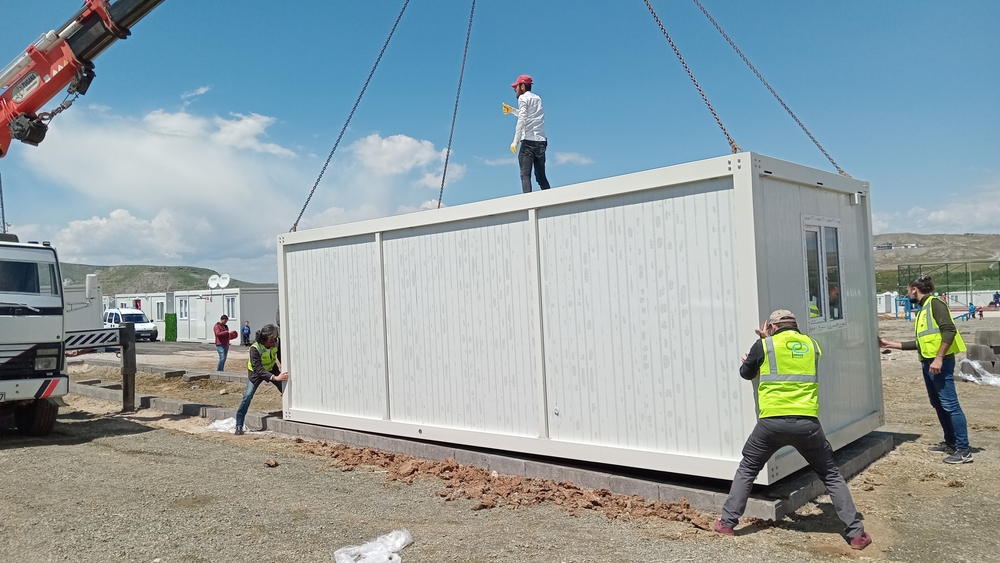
(508, 109)
(513, 148)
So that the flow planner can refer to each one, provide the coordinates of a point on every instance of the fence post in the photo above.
(127, 341)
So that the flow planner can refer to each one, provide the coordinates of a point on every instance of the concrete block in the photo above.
(219, 413)
(628, 486)
(88, 382)
(170, 374)
(539, 470)
(506, 465)
(313, 431)
(256, 421)
(988, 337)
(582, 478)
(143, 401)
(109, 385)
(195, 376)
(96, 392)
(282, 426)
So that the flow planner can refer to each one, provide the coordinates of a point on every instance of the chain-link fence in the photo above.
(961, 282)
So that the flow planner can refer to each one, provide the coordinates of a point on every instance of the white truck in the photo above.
(32, 334)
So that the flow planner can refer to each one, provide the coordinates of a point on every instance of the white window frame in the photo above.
(182, 309)
(229, 305)
(814, 223)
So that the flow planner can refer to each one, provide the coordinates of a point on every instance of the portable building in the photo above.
(602, 321)
(198, 311)
(79, 312)
(155, 305)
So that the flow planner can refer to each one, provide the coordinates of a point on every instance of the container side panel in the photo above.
(334, 334)
(639, 307)
(848, 376)
(460, 319)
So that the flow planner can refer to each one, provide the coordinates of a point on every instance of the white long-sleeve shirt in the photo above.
(530, 118)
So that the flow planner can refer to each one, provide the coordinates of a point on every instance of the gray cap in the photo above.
(781, 316)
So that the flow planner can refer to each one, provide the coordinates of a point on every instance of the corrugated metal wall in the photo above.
(639, 296)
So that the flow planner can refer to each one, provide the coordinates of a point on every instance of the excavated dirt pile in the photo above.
(492, 490)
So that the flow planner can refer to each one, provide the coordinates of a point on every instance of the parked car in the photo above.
(144, 328)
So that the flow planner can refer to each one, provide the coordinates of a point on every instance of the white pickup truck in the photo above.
(32, 334)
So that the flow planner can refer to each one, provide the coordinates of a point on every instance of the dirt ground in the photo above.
(916, 507)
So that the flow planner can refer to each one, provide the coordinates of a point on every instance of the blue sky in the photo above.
(203, 132)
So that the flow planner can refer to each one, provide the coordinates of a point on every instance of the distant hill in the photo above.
(935, 248)
(146, 279)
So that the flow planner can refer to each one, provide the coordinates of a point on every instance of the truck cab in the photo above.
(32, 355)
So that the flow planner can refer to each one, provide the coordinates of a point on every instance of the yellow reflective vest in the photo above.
(929, 333)
(268, 356)
(788, 384)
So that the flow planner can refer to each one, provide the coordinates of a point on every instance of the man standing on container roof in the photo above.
(788, 401)
(530, 132)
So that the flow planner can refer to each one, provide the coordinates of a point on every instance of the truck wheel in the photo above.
(36, 418)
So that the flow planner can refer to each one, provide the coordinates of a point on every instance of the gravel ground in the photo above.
(148, 486)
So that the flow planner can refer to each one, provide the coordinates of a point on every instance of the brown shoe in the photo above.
(726, 530)
(862, 541)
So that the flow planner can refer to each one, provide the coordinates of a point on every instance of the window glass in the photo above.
(831, 250)
(135, 317)
(231, 307)
(118, 318)
(28, 277)
(182, 309)
(159, 310)
(813, 269)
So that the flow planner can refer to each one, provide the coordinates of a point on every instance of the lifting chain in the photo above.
(295, 225)
(47, 116)
(732, 144)
(454, 115)
(776, 96)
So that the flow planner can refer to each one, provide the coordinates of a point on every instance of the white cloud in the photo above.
(121, 238)
(243, 133)
(195, 92)
(433, 179)
(572, 158)
(396, 154)
(975, 212)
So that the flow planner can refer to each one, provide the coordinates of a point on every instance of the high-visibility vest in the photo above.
(788, 384)
(929, 333)
(814, 310)
(268, 356)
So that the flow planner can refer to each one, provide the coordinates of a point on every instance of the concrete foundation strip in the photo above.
(771, 503)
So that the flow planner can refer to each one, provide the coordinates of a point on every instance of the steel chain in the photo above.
(454, 115)
(47, 116)
(776, 96)
(732, 144)
(295, 226)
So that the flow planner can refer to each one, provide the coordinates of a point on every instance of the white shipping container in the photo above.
(601, 321)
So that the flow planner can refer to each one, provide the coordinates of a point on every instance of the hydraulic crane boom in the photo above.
(57, 60)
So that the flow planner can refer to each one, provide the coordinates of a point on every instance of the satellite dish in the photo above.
(213, 282)
(223, 280)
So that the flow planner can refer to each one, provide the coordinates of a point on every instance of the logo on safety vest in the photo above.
(798, 349)
(25, 87)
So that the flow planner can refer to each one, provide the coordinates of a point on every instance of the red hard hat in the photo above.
(523, 79)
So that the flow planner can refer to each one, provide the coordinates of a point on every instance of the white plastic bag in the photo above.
(224, 425)
(383, 549)
(981, 376)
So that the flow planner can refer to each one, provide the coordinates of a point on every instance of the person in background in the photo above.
(264, 365)
(996, 299)
(937, 341)
(222, 337)
(972, 311)
(786, 361)
(246, 333)
(530, 132)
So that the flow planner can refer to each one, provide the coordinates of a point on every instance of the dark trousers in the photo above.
(806, 435)
(532, 153)
(944, 399)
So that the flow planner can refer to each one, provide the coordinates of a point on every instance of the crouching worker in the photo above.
(263, 366)
(788, 401)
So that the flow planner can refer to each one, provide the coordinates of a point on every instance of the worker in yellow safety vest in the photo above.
(937, 341)
(262, 366)
(784, 362)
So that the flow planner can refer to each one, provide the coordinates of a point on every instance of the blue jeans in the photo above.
(223, 352)
(532, 153)
(944, 399)
(241, 413)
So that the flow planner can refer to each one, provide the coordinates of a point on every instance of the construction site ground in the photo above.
(149, 486)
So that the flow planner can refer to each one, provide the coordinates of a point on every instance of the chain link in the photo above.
(47, 116)
(776, 96)
(295, 225)
(454, 115)
(732, 144)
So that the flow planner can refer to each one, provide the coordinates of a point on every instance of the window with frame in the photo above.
(231, 306)
(821, 242)
(160, 307)
(182, 309)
